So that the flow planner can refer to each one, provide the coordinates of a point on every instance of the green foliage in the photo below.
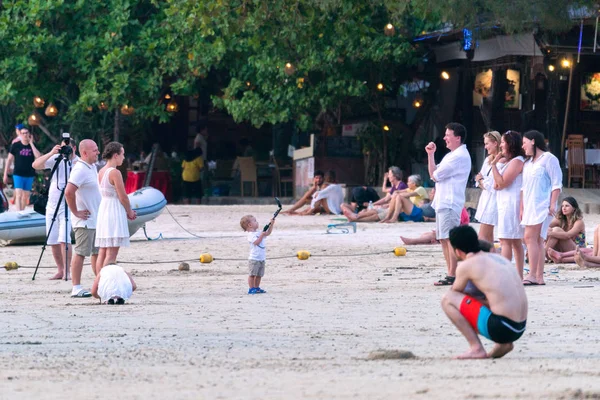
(78, 53)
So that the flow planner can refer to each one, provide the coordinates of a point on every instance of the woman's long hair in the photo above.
(567, 222)
(514, 142)
(539, 141)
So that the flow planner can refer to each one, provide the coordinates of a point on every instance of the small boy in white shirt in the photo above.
(258, 254)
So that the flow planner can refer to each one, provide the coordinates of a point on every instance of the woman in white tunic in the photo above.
(508, 180)
(112, 231)
(487, 212)
(542, 183)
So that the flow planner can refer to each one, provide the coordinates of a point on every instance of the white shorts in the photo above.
(445, 220)
(60, 229)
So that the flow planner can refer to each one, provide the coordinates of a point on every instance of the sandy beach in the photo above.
(197, 334)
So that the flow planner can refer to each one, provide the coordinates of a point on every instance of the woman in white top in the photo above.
(542, 182)
(112, 230)
(487, 212)
(508, 181)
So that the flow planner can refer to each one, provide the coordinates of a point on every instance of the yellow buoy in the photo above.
(11, 265)
(399, 251)
(303, 255)
(206, 258)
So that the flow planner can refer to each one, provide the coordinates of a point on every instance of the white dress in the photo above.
(509, 205)
(487, 211)
(540, 178)
(111, 229)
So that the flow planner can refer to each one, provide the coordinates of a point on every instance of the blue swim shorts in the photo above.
(416, 215)
(23, 182)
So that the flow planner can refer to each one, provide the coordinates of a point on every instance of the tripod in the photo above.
(61, 198)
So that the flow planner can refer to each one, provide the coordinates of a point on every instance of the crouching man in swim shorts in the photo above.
(502, 316)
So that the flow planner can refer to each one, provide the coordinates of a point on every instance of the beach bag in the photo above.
(40, 199)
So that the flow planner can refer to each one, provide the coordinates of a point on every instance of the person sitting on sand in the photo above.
(566, 232)
(328, 200)
(502, 316)
(362, 197)
(318, 184)
(113, 285)
(404, 206)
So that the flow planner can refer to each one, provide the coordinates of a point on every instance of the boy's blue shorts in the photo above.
(23, 182)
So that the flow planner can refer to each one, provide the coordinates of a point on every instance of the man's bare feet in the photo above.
(408, 240)
(554, 255)
(349, 214)
(473, 354)
(57, 276)
(500, 350)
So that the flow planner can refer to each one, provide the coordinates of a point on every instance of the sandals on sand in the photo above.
(447, 281)
(527, 282)
(82, 293)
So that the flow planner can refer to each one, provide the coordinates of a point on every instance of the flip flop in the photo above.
(527, 282)
(447, 281)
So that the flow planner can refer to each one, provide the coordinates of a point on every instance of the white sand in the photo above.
(197, 334)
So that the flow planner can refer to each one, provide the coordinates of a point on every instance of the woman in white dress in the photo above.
(508, 181)
(112, 231)
(542, 183)
(487, 212)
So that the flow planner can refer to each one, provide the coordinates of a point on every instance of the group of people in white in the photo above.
(99, 208)
(520, 181)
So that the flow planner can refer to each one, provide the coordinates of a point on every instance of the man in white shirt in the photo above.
(61, 228)
(83, 198)
(451, 176)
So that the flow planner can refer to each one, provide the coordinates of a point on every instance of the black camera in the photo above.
(66, 150)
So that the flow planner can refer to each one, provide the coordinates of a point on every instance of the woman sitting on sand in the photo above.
(405, 205)
(566, 232)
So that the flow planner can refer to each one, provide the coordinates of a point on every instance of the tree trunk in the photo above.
(116, 128)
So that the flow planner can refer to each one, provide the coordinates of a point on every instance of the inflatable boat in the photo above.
(29, 227)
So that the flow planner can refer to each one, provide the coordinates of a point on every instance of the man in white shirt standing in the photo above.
(83, 198)
(451, 176)
(61, 227)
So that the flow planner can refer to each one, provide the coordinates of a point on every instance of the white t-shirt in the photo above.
(334, 195)
(58, 178)
(451, 176)
(540, 178)
(88, 197)
(114, 282)
(257, 252)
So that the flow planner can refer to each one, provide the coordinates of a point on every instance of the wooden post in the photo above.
(564, 132)
(116, 127)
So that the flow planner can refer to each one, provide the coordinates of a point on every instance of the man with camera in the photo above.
(59, 231)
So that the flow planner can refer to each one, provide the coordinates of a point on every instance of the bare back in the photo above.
(498, 279)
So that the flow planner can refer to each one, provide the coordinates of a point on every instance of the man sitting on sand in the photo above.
(502, 316)
(318, 184)
(113, 285)
(328, 200)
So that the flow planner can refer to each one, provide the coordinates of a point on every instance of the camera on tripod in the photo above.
(66, 150)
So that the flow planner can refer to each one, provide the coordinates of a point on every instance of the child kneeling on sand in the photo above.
(258, 254)
(113, 285)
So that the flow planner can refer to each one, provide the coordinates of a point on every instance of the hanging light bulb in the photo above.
(51, 110)
(380, 86)
(89, 108)
(551, 68)
(289, 69)
(386, 128)
(33, 120)
(445, 75)
(127, 110)
(38, 102)
(167, 96)
(565, 63)
(417, 103)
(103, 106)
(248, 83)
(172, 106)
(389, 30)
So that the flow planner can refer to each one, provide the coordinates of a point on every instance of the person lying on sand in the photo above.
(502, 316)
(113, 285)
